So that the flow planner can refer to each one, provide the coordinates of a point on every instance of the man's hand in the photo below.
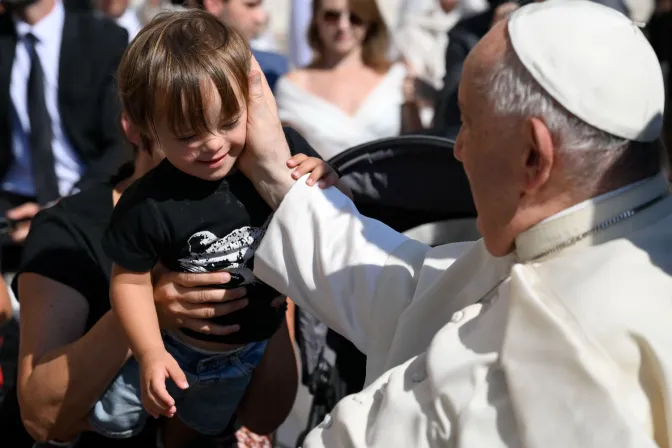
(188, 300)
(266, 150)
(23, 213)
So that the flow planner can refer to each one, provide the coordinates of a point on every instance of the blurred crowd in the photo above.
(346, 72)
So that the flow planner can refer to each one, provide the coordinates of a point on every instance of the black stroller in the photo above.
(415, 185)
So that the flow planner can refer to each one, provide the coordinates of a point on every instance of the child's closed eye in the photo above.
(229, 125)
(187, 138)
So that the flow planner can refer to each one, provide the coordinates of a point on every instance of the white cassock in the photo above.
(568, 349)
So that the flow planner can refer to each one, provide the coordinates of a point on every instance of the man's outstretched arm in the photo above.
(318, 249)
(330, 260)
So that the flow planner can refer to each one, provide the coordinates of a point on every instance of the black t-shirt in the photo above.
(195, 225)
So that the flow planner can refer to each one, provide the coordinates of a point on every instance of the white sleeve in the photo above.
(329, 259)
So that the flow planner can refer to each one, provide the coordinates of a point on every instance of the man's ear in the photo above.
(131, 132)
(539, 158)
(214, 7)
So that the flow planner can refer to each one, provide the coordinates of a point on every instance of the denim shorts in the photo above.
(217, 383)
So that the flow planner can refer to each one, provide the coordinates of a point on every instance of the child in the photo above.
(183, 84)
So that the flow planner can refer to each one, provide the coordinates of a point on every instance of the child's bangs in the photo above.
(185, 102)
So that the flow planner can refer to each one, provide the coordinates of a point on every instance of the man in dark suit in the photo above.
(248, 17)
(58, 104)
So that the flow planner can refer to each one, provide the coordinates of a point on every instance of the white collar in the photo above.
(577, 223)
(596, 200)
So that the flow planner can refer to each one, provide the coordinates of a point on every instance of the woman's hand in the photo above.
(188, 300)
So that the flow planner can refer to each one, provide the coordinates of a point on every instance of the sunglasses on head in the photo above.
(333, 16)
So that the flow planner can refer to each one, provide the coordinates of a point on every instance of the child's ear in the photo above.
(131, 132)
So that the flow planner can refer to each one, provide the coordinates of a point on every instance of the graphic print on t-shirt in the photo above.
(232, 253)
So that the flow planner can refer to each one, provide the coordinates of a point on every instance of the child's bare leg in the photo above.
(177, 435)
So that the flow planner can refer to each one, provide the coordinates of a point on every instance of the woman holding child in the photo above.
(76, 374)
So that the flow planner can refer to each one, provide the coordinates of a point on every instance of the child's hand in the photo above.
(154, 369)
(319, 170)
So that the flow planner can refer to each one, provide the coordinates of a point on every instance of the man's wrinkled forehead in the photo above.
(489, 50)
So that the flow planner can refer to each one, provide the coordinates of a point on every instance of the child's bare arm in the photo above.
(132, 298)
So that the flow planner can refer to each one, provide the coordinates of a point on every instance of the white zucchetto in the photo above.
(595, 62)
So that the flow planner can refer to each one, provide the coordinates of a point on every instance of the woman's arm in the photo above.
(271, 393)
(62, 370)
(410, 109)
(291, 320)
(410, 118)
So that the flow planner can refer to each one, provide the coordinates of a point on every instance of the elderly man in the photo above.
(554, 329)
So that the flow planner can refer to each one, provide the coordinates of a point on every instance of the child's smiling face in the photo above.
(183, 83)
(210, 152)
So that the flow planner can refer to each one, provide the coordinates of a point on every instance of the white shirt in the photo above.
(49, 32)
(130, 22)
(300, 53)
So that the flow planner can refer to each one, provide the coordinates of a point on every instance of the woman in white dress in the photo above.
(351, 93)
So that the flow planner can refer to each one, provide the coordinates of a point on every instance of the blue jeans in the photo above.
(216, 385)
